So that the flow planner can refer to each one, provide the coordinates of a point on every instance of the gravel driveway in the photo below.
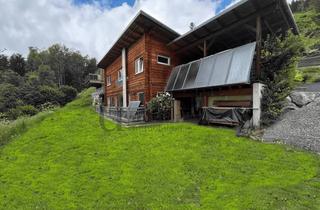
(299, 128)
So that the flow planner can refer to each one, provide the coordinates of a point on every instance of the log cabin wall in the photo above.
(115, 88)
(158, 74)
(135, 82)
(154, 77)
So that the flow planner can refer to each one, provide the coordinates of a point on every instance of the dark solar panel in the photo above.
(241, 64)
(225, 68)
(205, 71)
(191, 77)
(181, 76)
(221, 68)
(172, 78)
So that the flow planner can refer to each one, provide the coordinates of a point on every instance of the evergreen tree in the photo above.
(17, 64)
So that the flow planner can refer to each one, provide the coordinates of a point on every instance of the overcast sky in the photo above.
(90, 26)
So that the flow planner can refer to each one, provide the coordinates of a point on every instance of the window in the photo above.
(120, 75)
(138, 65)
(108, 101)
(141, 98)
(108, 80)
(164, 60)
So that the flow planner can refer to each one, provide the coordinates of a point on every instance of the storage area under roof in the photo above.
(225, 68)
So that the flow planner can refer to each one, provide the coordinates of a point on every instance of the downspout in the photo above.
(124, 79)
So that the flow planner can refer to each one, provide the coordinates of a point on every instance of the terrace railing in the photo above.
(123, 114)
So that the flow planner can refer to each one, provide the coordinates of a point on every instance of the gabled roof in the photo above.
(141, 22)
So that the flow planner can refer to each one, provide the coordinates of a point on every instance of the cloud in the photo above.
(89, 28)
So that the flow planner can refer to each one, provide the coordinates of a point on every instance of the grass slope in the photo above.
(75, 160)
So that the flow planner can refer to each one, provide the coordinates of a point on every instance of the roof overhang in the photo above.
(236, 25)
(140, 24)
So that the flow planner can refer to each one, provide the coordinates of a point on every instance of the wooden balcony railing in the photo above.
(95, 78)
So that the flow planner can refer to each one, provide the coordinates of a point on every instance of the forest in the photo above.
(43, 80)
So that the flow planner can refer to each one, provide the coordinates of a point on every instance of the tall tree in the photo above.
(34, 59)
(4, 63)
(46, 75)
(57, 61)
(315, 4)
(18, 64)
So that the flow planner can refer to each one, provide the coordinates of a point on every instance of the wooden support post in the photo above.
(204, 48)
(258, 51)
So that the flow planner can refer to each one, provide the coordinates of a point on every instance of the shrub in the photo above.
(31, 95)
(160, 106)
(48, 106)
(280, 56)
(13, 114)
(51, 94)
(299, 77)
(26, 110)
(69, 93)
(9, 97)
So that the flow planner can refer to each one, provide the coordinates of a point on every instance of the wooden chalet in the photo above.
(217, 64)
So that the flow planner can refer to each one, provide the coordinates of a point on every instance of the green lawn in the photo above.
(75, 160)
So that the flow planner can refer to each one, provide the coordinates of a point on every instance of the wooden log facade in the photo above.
(149, 82)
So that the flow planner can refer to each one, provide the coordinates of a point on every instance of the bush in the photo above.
(48, 106)
(9, 97)
(31, 95)
(26, 110)
(160, 106)
(69, 93)
(13, 114)
(280, 56)
(51, 94)
(299, 77)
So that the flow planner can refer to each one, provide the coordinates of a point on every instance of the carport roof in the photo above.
(237, 24)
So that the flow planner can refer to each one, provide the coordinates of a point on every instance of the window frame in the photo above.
(166, 57)
(120, 73)
(108, 80)
(139, 65)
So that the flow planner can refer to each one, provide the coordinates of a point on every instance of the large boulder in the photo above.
(289, 107)
(302, 98)
(288, 100)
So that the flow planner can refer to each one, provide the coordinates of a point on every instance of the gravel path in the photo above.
(315, 87)
(299, 128)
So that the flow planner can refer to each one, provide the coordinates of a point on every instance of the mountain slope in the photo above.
(75, 160)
